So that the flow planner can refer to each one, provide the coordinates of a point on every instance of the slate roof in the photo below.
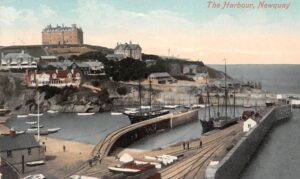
(21, 141)
(127, 46)
(17, 55)
(161, 74)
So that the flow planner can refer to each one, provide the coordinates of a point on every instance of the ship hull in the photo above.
(207, 126)
(135, 118)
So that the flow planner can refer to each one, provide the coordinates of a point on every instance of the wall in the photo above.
(183, 119)
(37, 153)
(237, 158)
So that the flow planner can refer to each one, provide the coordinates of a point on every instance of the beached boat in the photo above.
(22, 116)
(85, 114)
(31, 122)
(52, 111)
(123, 170)
(82, 177)
(35, 163)
(35, 115)
(53, 130)
(36, 176)
(116, 113)
(20, 132)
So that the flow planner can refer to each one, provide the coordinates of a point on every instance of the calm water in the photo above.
(91, 129)
(275, 78)
(279, 155)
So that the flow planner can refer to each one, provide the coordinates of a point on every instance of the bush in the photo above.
(122, 90)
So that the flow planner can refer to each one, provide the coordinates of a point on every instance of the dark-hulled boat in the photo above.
(138, 117)
(207, 125)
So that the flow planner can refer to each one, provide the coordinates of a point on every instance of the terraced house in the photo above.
(17, 62)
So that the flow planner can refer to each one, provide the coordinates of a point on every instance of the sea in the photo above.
(278, 157)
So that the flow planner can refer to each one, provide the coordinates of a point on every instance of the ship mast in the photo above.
(234, 103)
(38, 121)
(225, 91)
(150, 92)
(140, 96)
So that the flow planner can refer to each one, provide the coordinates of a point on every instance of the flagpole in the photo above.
(38, 122)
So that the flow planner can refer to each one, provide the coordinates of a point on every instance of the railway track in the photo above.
(203, 156)
(101, 149)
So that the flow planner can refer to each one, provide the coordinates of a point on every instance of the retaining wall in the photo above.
(184, 118)
(231, 166)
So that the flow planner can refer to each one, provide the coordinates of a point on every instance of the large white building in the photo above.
(129, 50)
(18, 61)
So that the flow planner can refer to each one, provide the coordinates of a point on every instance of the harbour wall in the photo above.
(127, 135)
(177, 120)
(231, 166)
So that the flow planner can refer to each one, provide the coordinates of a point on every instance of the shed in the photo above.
(248, 124)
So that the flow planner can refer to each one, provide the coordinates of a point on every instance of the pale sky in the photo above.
(187, 27)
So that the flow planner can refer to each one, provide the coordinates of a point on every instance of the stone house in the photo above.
(161, 78)
(129, 50)
(13, 147)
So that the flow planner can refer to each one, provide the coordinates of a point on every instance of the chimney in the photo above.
(12, 132)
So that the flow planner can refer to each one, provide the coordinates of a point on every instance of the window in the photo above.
(9, 154)
(29, 151)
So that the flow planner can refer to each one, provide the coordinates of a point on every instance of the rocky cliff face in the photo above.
(14, 96)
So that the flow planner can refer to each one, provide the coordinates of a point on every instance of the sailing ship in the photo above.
(143, 115)
(219, 122)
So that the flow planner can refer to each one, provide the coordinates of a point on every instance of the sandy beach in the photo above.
(59, 163)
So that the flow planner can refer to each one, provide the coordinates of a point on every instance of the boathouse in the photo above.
(13, 147)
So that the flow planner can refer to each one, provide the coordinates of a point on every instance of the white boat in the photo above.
(36, 176)
(131, 109)
(121, 169)
(52, 111)
(35, 163)
(171, 106)
(198, 106)
(35, 115)
(31, 130)
(31, 122)
(22, 116)
(116, 113)
(130, 112)
(20, 132)
(85, 113)
(145, 107)
(81, 177)
(53, 130)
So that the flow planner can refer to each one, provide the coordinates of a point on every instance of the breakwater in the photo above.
(231, 166)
